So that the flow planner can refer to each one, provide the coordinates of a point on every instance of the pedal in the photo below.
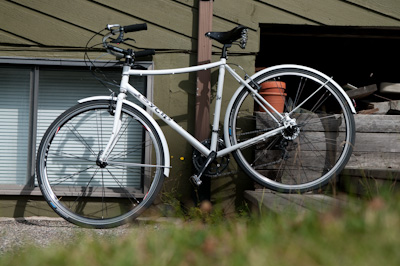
(197, 177)
(196, 180)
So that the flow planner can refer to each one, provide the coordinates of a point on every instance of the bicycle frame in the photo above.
(126, 87)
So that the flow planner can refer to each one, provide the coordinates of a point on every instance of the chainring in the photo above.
(217, 166)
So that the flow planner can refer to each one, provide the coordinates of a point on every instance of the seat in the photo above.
(227, 37)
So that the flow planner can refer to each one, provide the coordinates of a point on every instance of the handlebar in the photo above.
(135, 27)
(119, 52)
(237, 35)
(145, 52)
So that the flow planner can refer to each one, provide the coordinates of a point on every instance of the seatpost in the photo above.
(225, 50)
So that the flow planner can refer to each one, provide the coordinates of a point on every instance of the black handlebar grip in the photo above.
(135, 27)
(145, 53)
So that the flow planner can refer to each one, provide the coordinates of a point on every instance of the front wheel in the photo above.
(317, 140)
(93, 194)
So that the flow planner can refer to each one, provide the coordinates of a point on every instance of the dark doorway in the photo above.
(356, 55)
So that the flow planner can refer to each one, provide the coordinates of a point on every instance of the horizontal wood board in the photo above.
(267, 200)
(172, 24)
(377, 143)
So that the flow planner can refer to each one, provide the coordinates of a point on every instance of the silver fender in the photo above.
(150, 118)
(226, 120)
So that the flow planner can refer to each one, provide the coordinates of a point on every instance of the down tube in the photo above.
(193, 141)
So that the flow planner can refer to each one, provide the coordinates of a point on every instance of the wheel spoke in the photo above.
(81, 139)
(92, 193)
(315, 142)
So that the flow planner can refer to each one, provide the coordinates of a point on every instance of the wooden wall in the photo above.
(48, 27)
(60, 29)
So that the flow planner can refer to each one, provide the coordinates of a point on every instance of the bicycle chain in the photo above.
(257, 167)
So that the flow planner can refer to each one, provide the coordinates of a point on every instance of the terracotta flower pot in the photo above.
(274, 93)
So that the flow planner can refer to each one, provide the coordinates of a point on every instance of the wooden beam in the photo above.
(202, 127)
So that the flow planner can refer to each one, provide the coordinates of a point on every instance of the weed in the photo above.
(365, 235)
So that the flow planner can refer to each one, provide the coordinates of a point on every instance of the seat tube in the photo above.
(218, 103)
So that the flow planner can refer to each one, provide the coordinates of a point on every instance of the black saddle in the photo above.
(228, 37)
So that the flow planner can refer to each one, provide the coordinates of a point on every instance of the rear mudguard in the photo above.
(164, 143)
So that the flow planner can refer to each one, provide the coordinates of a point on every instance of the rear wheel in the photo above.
(314, 146)
(89, 193)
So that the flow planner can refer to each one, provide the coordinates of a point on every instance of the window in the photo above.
(32, 97)
(14, 121)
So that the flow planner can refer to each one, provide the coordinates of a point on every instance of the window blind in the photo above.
(60, 90)
(14, 124)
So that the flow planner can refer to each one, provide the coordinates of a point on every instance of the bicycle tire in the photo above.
(323, 138)
(92, 195)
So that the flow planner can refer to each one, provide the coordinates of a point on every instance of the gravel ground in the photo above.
(43, 231)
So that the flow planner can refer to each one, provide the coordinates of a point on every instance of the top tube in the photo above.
(136, 72)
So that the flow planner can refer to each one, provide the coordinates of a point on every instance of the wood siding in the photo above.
(61, 29)
(29, 27)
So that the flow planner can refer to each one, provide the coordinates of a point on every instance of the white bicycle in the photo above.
(92, 171)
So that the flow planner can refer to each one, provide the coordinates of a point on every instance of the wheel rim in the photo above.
(270, 165)
(99, 195)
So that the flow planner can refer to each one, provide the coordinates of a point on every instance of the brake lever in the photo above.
(120, 38)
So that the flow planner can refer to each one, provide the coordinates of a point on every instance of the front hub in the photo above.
(99, 162)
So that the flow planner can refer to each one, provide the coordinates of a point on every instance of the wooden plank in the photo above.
(228, 13)
(332, 12)
(165, 13)
(377, 146)
(31, 25)
(191, 3)
(364, 123)
(252, 13)
(378, 142)
(312, 122)
(75, 12)
(369, 181)
(362, 92)
(248, 13)
(388, 174)
(236, 11)
(358, 159)
(262, 201)
(265, 199)
(314, 202)
(387, 7)
(372, 160)
(73, 16)
(6, 37)
(377, 123)
(371, 151)
(384, 107)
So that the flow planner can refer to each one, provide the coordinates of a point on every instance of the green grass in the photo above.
(368, 234)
